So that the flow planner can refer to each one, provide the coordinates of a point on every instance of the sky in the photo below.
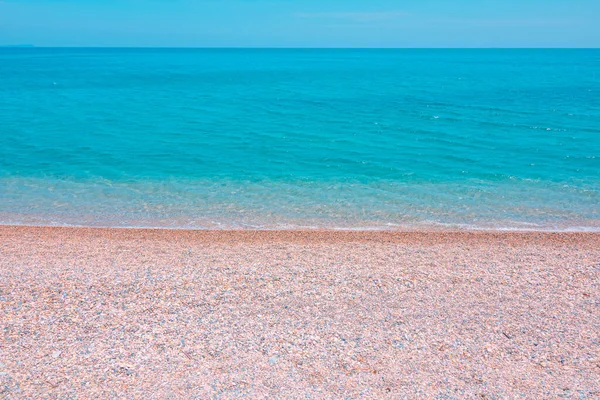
(301, 23)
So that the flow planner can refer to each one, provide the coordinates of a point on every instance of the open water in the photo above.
(278, 138)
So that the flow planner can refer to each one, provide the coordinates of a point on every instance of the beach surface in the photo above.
(131, 313)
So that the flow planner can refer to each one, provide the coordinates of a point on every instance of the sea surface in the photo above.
(290, 138)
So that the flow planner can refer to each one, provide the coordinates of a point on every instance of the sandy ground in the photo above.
(145, 314)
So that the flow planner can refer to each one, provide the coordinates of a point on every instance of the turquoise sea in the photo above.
(277, 138)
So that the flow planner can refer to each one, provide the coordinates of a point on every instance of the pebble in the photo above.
(180, 337)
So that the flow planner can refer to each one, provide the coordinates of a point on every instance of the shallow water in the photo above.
(491, 139)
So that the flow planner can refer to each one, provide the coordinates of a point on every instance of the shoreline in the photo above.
(305, 235)
(592, 229)
(591, 226)
(96, 312)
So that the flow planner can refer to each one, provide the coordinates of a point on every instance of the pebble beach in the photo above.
(154, 314)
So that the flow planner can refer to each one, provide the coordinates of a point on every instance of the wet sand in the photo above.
(125, 313)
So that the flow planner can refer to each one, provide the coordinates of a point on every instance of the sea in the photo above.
(394, 139)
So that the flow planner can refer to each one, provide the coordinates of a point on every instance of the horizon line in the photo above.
(28, 46)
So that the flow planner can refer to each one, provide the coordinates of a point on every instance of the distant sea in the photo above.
(259, 138)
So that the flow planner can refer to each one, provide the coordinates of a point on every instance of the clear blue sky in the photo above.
(302, 23)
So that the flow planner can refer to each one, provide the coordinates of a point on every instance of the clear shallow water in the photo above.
(492, 139)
